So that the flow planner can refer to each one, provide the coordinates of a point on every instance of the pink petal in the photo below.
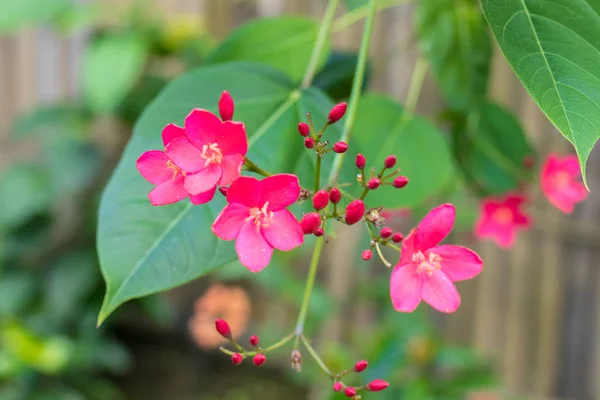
(185, 155)
(435, 226)
(205, 197)
(153, 167)
(172, 132)
(204, 180)
(245, 190)
(232, 138)
(440, 293)
(408, 248)
(280, 191)
(504, 237)
(521, 219)
(202, 127)
(458, 263)
(514, 200)
(406, 288)
(232, 167)
(168, 192)
(228, 223)
(253, 250)
(570, 163)
(284, 231)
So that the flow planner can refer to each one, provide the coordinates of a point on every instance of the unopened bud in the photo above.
(337, 386)
(320, 199)
(310, 222)
(400, 182)
(386, 232)
(360, 366)
(259, 359)
(528, 162)
(335, 196)
(223, 190)
(296, 361)
(390, 161)
(309, 143)
(237, 358)
(303, 129)
(254, 340)
(319, 232)
(373, 183)
(376, 385)
(361, 161)
(226, 106)
(337, 112)
(223, 328)
(354, 212)
(340, 147)
(366, 255)
(350, 392)
(397, 237)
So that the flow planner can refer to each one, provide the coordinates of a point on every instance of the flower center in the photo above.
(503, 216)
(212, 154)
(561, 180)
(427, 265)
(175, 168)
(261, 216)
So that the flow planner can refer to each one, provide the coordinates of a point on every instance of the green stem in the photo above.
(318, 172)
(315, 356)
(255, 168)
(357, 84)
(414, 88)
(265, 350)
(311, 69)
(361, 12)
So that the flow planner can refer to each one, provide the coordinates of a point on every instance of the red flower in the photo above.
(226, 106)
(560, 183)
(501, 218)
(337, 112)
(426, 270)
(376, 385)
(256, 217)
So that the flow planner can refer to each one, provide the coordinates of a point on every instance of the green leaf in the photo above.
(17, 291)
(52, 121)
(554, 48)
(423, 155)
(111, 67)
(354, 4)
(455, 39)
(336, 77)
(17, 13)
(284, 43)
(145, 249)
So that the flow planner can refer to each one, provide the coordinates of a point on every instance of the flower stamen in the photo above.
(261, 216)
(427, 264)
(212, 154)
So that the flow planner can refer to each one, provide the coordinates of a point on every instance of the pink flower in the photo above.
(501, 218)
(256, 217)
(560, 183)
(426, 270)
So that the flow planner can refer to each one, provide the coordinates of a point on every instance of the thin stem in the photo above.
(265, 350)
(361, 12)
(364, 193)
(318, 172)
(311, 69)
(357, 84)
(250, 166)
(414, 88)
(315, 356)
(383, 259)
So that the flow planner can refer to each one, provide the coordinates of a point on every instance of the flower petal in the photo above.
(204, 197)
(245, 190)
(228, 223)
(406, 288)
(436, 225)
(440, 293)
(153, 167)
(204, 180)
(253, 250)
(185, 155)
(168, 192)
(280, 191)
(284, 232)
(202, 127)
(408, 248)
(232, 168)
(172, 132)
(570, 163)
(458, 263)
(232, 138)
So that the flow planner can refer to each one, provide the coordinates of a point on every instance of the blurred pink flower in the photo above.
(560, 182)
(500, 218)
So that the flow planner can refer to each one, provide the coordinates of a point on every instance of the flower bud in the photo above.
(360, 366)
(296, 361)
(223, 328)
(366, 255)
(310, 222)
(390, 161)
(354, 212)
(337, 112)
(224, 190)
(319, 232)
(528, 162)
(320, 199)
(400, 182)
(376, 385)
(337, 386)
(340, 147)
(254, 340)
(335, 196)
(397, 237)
(237, 358)
(226, 106)
(309, 143)
(303, 129)
(350, 392)
(361, 161)
(259, 359)
(386, 232)
(373, 183)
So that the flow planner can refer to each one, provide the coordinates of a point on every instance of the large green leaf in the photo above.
(381, 129)
(454, 37)
(285, 43)
(554, 48)
(145, 249)
(17, 13)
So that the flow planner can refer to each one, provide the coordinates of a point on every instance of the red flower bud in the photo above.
(337, 112)
(386, 232)
(337, 386)
(319, 232)
(350, 392)
(223, 328)
(400, 182)
(373, 183)
(376, 385)
(259, 359)
(367, 254)
(309, 143)
(361, 161)
(254, 340)
(236, 358)
(340, 147)
(354, 212)
(528, 162)
(310, 222)
(390, 161)
(320, 200)
(226, 106)
(223, 190)
(397, 237)
(303, 129)
(335, 195)
(360, 366)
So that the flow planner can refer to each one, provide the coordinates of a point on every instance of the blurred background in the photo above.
(528, 327)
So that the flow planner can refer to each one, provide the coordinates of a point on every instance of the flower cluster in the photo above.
(376, 385)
